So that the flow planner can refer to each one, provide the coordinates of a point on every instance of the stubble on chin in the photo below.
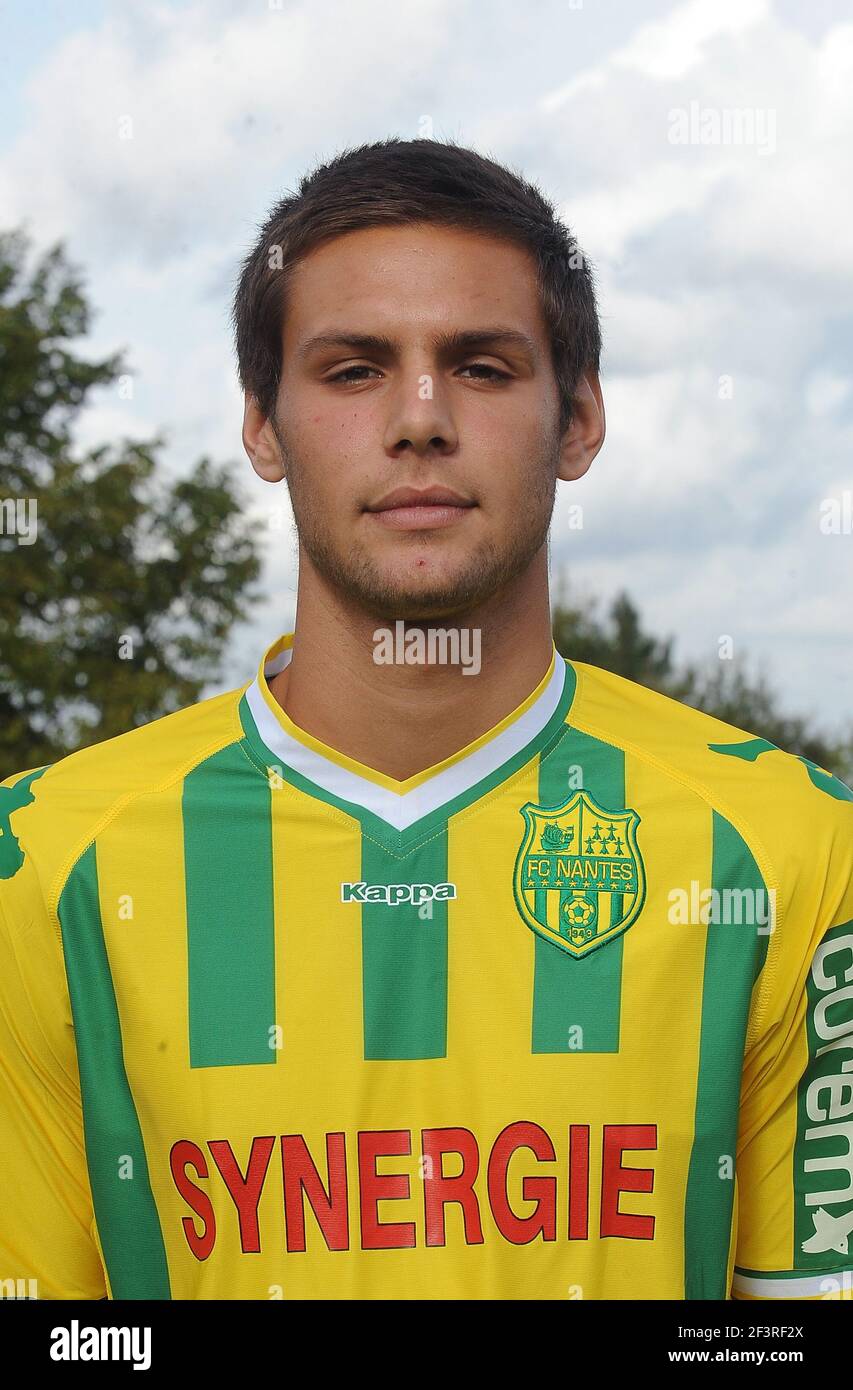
(361, 580)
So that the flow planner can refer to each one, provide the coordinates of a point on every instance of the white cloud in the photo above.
(826, 391)
(671, 47)
(151, 133)
(714, 261)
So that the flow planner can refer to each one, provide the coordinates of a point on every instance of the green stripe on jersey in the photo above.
(230, 912)
(404, 955)
(572, 994)
(734, 953)
(125, 1211)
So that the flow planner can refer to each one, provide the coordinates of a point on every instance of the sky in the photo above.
(699, 151)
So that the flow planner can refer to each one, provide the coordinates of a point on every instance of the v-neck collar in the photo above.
(447, 785)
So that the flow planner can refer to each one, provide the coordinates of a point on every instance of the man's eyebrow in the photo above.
(466, 340)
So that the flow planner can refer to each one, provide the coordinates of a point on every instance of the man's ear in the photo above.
(260, 442)
(585, 434)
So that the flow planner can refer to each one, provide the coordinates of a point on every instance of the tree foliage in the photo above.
(725, 689)
(116, 607)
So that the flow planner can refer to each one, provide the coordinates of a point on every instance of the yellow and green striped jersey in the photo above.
(568, 1015)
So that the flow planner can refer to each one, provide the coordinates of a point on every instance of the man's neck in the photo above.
(400, 719)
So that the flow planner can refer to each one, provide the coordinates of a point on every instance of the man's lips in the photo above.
(407, 509)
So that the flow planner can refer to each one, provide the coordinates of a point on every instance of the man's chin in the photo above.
(390, 599)
(450, 592)
(413, 607)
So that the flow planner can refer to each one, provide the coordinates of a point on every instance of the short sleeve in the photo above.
(48, 1248)
(795, 1146)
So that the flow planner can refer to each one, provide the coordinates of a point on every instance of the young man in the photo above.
(426, 964)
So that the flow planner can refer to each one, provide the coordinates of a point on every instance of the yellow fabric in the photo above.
(126, 798)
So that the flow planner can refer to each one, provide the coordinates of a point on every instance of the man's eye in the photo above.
(345, 374)
(484, 372)
(493, 372)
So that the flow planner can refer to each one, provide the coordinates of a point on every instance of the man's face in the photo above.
(421, 468)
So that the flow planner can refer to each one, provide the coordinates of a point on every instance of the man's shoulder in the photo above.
(782, 795)
(50, 814)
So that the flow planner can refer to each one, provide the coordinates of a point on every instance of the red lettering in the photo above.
(578, 1182)
(440, 1189)
(522, 1191)
(375, 1187)
(520, 1230)
(244, 1192)
(183, 1155)
(616, 1179)
(301, 1179)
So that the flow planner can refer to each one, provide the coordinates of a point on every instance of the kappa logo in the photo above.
(579, 875)
(395, 894)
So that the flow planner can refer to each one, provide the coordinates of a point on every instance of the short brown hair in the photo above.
(399, 181)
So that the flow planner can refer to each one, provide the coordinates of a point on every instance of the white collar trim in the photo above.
(396, 809)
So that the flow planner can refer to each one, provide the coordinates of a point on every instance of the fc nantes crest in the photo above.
(579, 875)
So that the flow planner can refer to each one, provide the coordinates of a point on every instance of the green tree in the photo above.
(118, 590)
(618, 643)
